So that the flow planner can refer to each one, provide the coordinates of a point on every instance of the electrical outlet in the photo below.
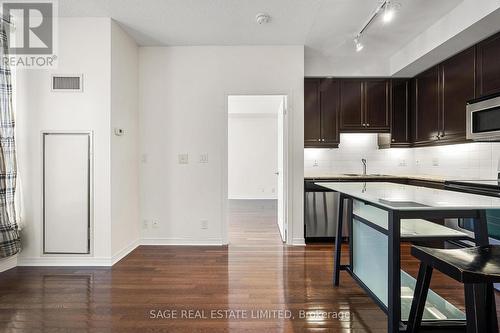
(204, 224)
(273, 190)
(402, 163)
(315, 164)
(435, 161)
(156, 224)
(204, 158)
(145, 224)
(183, 159)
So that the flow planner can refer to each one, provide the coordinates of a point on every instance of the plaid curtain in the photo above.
(10, 243)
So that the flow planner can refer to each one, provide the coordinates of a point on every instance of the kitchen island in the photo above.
(382, 215)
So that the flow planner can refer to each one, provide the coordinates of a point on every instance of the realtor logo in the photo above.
(34, 23)
(30, 28)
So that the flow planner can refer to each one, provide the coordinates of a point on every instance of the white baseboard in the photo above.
(182, 241)
(123, 252)
(64, 261)
(8, 263)
(103, 261)
(299, 241)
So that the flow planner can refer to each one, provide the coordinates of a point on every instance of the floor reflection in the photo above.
(177, 288)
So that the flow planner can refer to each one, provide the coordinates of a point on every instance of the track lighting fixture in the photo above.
(387, 9)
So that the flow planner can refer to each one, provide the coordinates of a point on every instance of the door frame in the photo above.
(287, 227)
(91, 217)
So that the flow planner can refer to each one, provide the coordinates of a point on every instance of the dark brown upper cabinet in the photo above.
(330, 104)
(312, 113)
(427, 108)
(488, 66)
(377, 104)
(321, 104)
(442, 93)
(364, 105)
(400, 112)
(457, 87)
(351, 104)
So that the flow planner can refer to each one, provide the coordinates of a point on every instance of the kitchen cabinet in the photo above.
(400, 112)
(488, 66)
(312, 113)
(427, 106)
(457, 87)
(321, 104)
(364, 105)
(351, 105)
(377, 104)
(329, 105)
(441, 96)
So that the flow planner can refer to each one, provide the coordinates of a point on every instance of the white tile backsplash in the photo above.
(470, 160)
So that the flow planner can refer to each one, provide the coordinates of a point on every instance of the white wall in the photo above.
(465, 25)
(84, 47)
(463, 161)
(252, 156)
(125, 219)
(183, 110)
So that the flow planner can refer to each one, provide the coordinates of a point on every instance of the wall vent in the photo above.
(67, 83)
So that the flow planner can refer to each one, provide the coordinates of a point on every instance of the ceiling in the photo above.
(323, 26)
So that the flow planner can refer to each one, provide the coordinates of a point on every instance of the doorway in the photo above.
(256, 169)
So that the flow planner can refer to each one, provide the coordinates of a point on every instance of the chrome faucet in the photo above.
(363, 160)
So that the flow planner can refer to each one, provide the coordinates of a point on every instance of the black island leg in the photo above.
(484, 294)
(394, 285)
(338, 242)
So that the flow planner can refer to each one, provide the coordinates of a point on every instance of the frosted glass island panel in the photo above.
(407, 197)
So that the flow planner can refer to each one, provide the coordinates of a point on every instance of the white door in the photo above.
(281, 170)
(66, 193)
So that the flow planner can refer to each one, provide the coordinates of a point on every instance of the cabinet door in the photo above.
(488, 66)
(458, 86)
(377, 104)
(330, 102)
(427, 106)
(312, 113)
(351, 104)
(400, 112)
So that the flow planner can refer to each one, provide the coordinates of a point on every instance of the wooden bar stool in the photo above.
(476, 267)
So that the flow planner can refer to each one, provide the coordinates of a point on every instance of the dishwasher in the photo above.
(321, 209)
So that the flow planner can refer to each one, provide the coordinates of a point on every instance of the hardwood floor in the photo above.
(255, 273)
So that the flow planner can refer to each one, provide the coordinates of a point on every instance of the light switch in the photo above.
(183, 159)
(204, 158)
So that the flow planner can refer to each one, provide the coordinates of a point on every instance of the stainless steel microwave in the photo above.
(483, 119)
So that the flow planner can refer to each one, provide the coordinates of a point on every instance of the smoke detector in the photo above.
(262, 18)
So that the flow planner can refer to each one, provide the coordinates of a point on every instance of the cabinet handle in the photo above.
(367, 124)
(393, 140)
